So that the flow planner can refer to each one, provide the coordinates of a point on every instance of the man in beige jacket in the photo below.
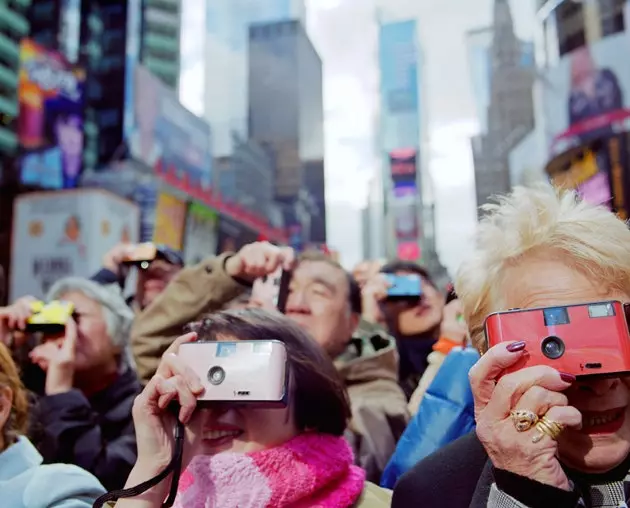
(325, 300)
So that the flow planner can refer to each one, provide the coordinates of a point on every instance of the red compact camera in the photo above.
(589, 339)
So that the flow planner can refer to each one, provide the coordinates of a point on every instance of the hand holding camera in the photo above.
(15, 318)
(259, 259)
(533, 391)
(453, 327)
(173, 381)
(114, 259)
(56, 357)
(373, 293)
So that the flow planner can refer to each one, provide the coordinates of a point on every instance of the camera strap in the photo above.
(174, 467)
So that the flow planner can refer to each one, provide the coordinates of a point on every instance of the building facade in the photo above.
(161, 39)
(227, 61)
(510, 112)
(286, 117)
(583, 97)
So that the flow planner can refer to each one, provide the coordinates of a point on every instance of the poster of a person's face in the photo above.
(69, 139)
(143, 144)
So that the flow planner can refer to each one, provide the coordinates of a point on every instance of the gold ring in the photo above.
(548, 427)
(523, 419)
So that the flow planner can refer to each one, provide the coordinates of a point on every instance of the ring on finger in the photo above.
(523, 419)
(547, 427)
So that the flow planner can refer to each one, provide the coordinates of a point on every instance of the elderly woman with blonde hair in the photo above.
(537, 248)
(84, 409)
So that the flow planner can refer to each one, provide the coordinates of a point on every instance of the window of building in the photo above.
(612, 16)
(570, 26)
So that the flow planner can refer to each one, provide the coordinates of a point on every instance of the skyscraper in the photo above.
(286, 115)
(15, 25)
(510, 114)
(161, 39)
(226, 61)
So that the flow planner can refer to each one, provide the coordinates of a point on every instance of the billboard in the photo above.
(400, 102)
(50, 122)
(201, 234)
(405, 203)
(170, 219)
(65, 233)
(166, 136)
(587, 95)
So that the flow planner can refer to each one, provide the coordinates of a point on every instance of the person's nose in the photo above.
(599, 386)
(297, 302)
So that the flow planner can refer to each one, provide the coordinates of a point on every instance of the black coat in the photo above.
(460, 475)
(95, 433)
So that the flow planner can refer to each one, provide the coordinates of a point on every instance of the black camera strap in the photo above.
(174, 467)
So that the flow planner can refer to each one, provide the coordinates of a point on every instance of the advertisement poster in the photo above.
(65, 233)
(201, 234)
(403, 164)
(587, 96)
(166, 136)
(170, 220)
(50, 122)
(233, 235)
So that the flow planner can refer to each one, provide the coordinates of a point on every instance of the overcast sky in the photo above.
(345, 35)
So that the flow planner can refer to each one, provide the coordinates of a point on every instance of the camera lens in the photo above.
(216, 375)
(553, 347)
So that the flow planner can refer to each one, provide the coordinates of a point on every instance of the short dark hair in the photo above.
(354, 290)
(407, 266)
(319, 398)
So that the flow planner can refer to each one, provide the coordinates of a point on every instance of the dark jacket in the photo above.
(460, 475)
(95, 433)
(445, 414)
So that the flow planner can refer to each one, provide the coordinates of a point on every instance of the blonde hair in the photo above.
(18, 417)
(540, 220)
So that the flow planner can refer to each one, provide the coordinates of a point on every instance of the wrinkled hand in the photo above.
(259, 259)
(154, 424)
(452, 326)
(14, 317)
(537, 389)
(57, 357)
(113, 259)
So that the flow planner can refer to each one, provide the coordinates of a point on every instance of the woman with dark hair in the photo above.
(293, 456)
(415, 323)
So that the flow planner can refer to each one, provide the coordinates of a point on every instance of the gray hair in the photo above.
(116, 313)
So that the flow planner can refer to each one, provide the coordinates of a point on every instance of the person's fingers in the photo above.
(148, 399)
(540, 400)
(484, 374)
(172, 366)
(69, 343)
(511, 387)
(174, 347)
(177, 387)
(289, 259)
(567, 416)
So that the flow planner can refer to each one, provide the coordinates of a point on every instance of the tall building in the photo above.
(15, 25)
(582, 98)
(107, 27)
(286, 116)
(226, 61)
(510, 113)
(161, 39)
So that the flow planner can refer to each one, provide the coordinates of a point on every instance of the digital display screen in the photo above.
(601, 310)
(556, 316)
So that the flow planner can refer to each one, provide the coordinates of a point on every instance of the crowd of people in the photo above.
(390, 400)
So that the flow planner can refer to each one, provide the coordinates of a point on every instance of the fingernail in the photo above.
(516, 346)
(567, 378)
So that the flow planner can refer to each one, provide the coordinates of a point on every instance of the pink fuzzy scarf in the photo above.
(311, 470)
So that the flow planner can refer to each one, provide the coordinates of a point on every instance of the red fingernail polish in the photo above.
(567, 378)
(516, 347)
